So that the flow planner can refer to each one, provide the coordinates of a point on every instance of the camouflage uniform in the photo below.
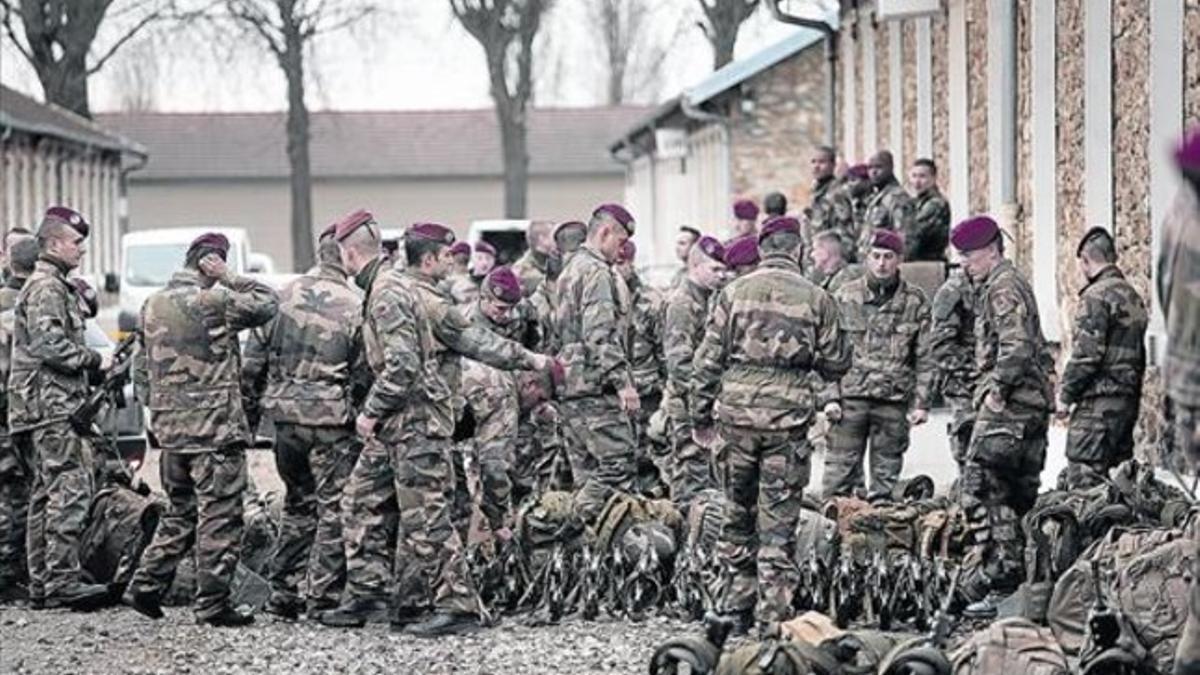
(311, 363)
(928, 232)
(646, 350)
(531, 270)
(600, 435)
(830, 283)
(689, 470)
(189, 368)
(1103, 377)
(462, 287)
(887, 324)
(833, 208)
(49, 368)
(767, 332)
(952, 345)
(413, 336)
(15, 470)
(1008, 446)
(888, 208)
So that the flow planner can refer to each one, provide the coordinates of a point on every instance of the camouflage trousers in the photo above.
(15, 481)
(689, 469)
(1000, 482)
(763, 475)
(64, 481)
(539, 454)
(1099, 437)
(960, 426)
(314, 463)
(601, 447)
(204, 494)
(881, 426)
(1187, 653)
(430, 567)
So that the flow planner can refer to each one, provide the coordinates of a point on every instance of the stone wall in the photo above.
(771, 145)
(853, 155)
(908, 41)
(941, 99)
(1069, 71)
(883, 89)
(1022, 226)
(977, 59)
(1191, 42)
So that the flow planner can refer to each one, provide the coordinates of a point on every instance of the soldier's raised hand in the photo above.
(628, 399)
(918, 416)
(365, 426)
(213, 267)
(833, 412)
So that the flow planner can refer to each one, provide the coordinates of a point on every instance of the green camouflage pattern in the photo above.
(1011, 356)
(60, 497)
(887, 208)
(589, 320)
(462, 288)
(1108, 352)
(833, 208)
(190, 364)
(491, 396)
(830, 283)
(928, 231)
(766, 333)
(543, 305)
(881, 426)
(646, 339)
(952, 347)
(601, 447)
(16, 474)
(1179, 295)
(309, 358)
(684, 314)
(530, 268)
(1099, 436)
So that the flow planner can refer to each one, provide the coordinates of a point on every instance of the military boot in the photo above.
(13, 590)
(987, 608)
(1187, 654)
(355, 613)
(445, 623)
(284, 607)
(228, 617)
(403, 617)
(79, 596)
(145, 603)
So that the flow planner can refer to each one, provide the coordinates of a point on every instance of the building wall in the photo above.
(263, 206)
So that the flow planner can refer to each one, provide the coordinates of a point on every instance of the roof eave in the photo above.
(117, 144)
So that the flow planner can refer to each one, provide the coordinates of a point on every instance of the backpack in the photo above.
(1153, 591)
(778, 657)
(1013, 645)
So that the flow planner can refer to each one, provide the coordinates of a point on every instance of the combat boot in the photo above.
(404, 617)
(145, 603)
(13, 590)
(1187, 654)
(354, 614)
(987, 608)
(445, 623)
(284, 607)
(79, 597)
(228, 617)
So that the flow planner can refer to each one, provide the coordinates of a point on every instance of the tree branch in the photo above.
(6, 5)
(146, 20)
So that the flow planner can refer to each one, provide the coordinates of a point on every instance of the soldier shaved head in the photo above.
(359, 247)
(328, 252)
(1099, 247)
(22, 256)
(569, 238)
(781, 243)
(881, 167)
(828, 252)
(538, 236)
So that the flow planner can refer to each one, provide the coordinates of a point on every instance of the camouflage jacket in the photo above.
(544, 305)
(8, 302)
(832, 282)
(1108, 352)
(1010, 353)
(531, 270)
(684, 312)
(463, 289)
(190, 364)
(646, 338)
(952, 336)
(308, 362)
(413, 336)
(491, 397)
(590, 317)
(522, 326)
(1179, 294)
(50, 361)
(889, 334)
(928, 232)
(767, 332)
(888, 208)
(833, 208)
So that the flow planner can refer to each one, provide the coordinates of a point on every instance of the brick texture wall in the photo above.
(941, 102)
(1191, 42)
(977, 103)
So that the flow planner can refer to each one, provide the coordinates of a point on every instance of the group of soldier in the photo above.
(417, 402)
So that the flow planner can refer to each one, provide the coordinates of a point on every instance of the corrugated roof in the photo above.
(22, 113)
(562, 141)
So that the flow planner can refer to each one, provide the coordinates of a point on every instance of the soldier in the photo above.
(310, 362)
(684, 241)
(16, 459)
(742, 255)
(775, 204)
(50, 367)
(569, 238)
(686, 307)
(413, 337)
(1179, 295)
(645, 351)
(840, 208)
(831, 270)
(190, 368)
(459, 283)
(599, 399)
(929, 228)
(745, 214)
(952, 345)
(10, 239)
(1012, 405)
(1101, 388)
(531, 267)
(766, 334)
(889, 207)
(887, 388)
(482, 262)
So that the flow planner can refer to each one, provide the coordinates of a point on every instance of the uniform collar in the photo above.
(186, 277)
(590, 250)
(49, 263)
(365, 278)
(1109, 272)
(1001, 267)
(695, 290)
(330, 270)
(780, 261)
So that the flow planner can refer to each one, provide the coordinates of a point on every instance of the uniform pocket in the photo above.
(995, 443)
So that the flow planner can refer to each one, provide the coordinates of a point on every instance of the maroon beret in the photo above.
(431, 232)
(628, 251)
(778, 224)
(61, 215)
(328, 232)
(618, 214)
(484, 247)
(712, 248)
(741, 252)
(688, 229)
(461, 248)
(504, 285)
(859, 171)
(213, 240)
(974, 233)
(351, 222)
(1187, 155)
(889, 239)
(745, 209)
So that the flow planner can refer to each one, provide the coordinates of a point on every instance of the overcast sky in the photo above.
(413, 57)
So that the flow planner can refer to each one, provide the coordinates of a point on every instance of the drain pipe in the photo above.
(830, 38)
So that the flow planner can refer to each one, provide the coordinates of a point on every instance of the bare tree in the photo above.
(722, 21)
(135, 76)
(59, 39)
(633, 52)
(287, 28)
(506, 30)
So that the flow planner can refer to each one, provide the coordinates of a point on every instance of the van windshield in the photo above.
(153, 264)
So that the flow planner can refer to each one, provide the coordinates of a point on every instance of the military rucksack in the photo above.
(778, 657)
(121, 524)
(1010, 646)
(549, 520)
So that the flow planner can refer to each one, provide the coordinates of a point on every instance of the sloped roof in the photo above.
(425, 143)
(22, 113)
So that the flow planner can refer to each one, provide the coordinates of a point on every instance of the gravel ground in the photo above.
(119, 641)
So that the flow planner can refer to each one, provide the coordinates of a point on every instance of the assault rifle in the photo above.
(83, 417)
